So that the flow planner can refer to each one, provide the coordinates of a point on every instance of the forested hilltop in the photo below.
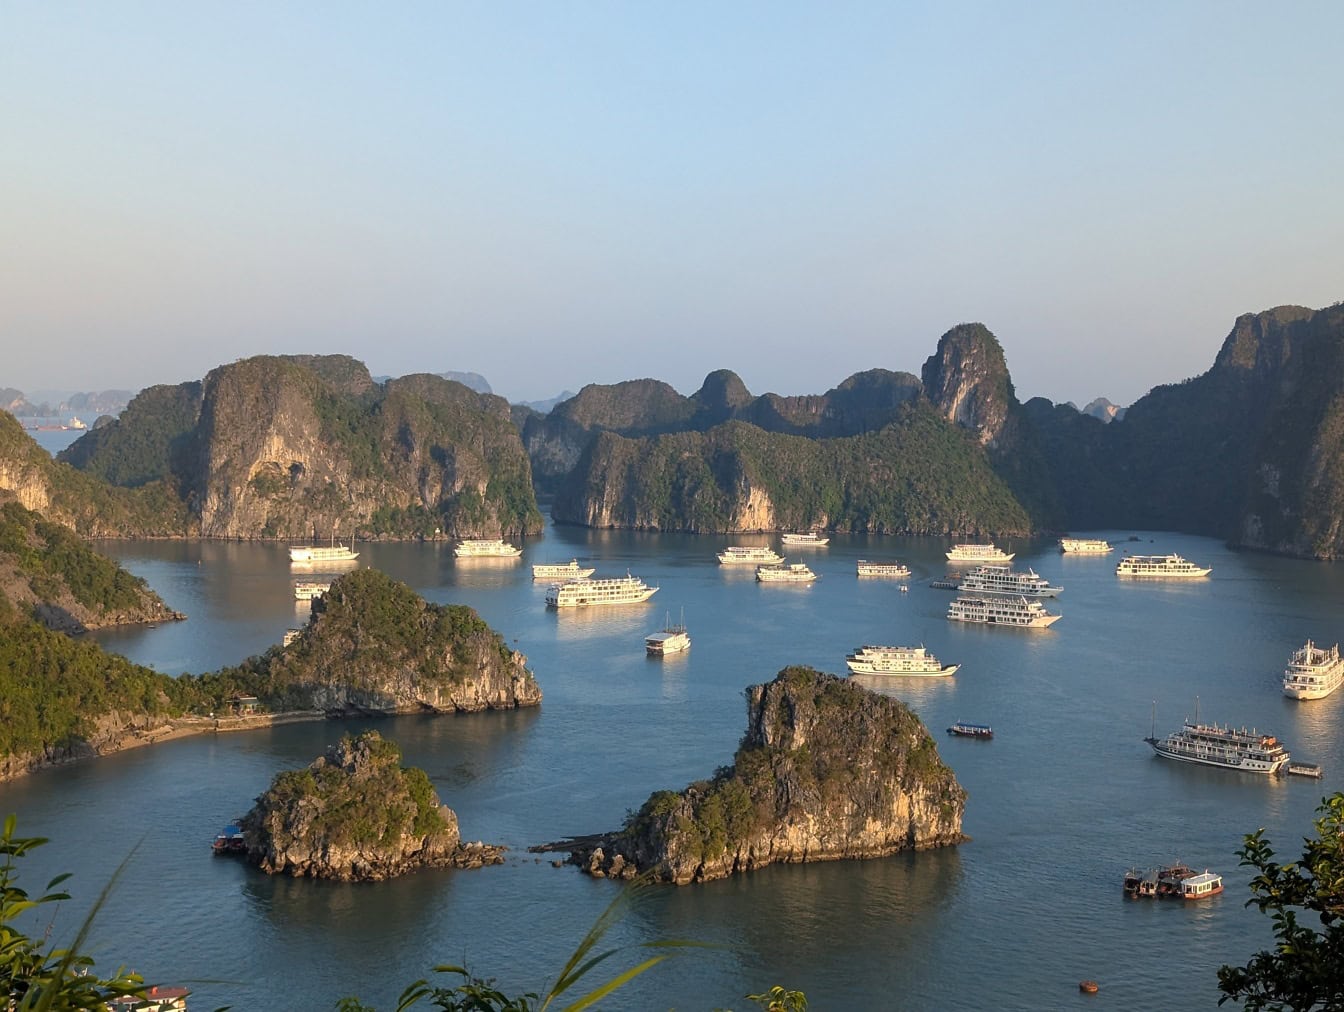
(372, 646)
(52, 575)
(884, 452)
(285, 446)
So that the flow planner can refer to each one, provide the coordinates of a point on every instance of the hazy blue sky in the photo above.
(561, 193)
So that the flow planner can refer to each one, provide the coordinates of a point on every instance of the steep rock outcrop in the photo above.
(826, 771)
(373, 646)
(917, 475)
(356, 815)
(286, 446)
(967, 381)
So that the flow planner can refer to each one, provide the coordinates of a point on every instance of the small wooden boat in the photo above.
(968, 730)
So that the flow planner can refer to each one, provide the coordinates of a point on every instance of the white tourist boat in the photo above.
(878, 660)
(749, 555)
(323, 553)
(670, 639)
(570, 570)
(580, 593)
(978, 553)
(1085, 546)
(1000, 609)
(486, 548)
(805, 540)
(793, 572)
(893, 568)
(996, 579)
(1313, 672)
(1226, 747)
(1161, 566)
(306, 590)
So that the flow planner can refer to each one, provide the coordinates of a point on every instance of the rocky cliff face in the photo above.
(290, 446)
(917, 475)
(967, 381)
(826, 771)
(80, 501)
(373, 646)
(1252, 450)
(556, 442)
(356, 815)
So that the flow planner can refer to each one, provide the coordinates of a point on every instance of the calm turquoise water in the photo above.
(1063, 799)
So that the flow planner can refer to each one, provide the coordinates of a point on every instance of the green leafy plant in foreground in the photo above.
(476, 994)
(37, 979)
(1306, 968)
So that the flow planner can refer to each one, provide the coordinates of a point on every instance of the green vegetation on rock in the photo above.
(46, 566)
(283, 446)
(373, 645)
(826, 770)
(917, 475)
(358, 795)
(82, 501)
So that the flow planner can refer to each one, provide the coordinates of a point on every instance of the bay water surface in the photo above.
(1062, 800)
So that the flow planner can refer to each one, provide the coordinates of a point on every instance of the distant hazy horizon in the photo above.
(553, 195)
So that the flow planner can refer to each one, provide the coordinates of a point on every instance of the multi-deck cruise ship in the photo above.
(1164, 566)
(306, 590)
(978, 553)
(1000, 609)
(625, 589)
(810, 538)
(896, 569)
(1233, 749)
(570, 570)
(1084, 546)
(995, 579)
(741, 555)
(323, 553)
(1313, 672)
(794, 572)
(486, 548)
(872, 660)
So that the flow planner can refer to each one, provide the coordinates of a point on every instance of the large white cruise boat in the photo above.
(306, 590)
(876, 660)
(481, 548)
(893, 568)
(1084, 546)
(996, 579)
(323, 553)
(570, 570)
(1233, 749)
(1000, 609)
(743, 555)
(625, 589)
(794, 572)
(978, 553)
(810, 538)
(1164, 566)
(1313, 672)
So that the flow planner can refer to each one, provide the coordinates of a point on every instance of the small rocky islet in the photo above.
(357, 815)
(827, 771)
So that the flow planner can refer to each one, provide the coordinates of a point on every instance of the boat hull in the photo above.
(867, 668)
(1244, 765)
